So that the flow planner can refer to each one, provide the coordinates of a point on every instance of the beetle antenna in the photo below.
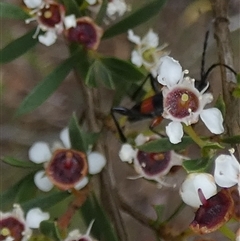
(216, 65)
(204, 55)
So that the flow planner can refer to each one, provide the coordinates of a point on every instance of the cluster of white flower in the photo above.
(147, 53)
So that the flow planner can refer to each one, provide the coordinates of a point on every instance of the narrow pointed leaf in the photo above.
(197, 165)
(231, 140)
(136, 17)
(163, 144)
(18, 47)
(46, 87)
(159, 209)
(50, 229)
(9, 196)
(102, 228)
(122, 70)
(46, 201)
(77, 141)
(90, 79)
(72, 7)
(12, 11)
(102, 12)
(18, 163)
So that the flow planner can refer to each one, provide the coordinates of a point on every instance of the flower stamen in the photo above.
(5, 232)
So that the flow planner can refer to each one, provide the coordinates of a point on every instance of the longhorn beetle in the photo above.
(152, 107)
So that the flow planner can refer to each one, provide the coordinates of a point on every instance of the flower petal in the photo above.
(39, 152)
(141, 139)
(48, 38)
(127, 153)
(150, 39)
(134, 38)
(33, 3)
(213, 119)
(136, 58)
(70, 21)
(64, 136)
(35, 216)
(193, 182)
(82, 183)
(174, 131)
(170, 71)
(91, 2)
(96, 162)
(42, 181)
(227, 170)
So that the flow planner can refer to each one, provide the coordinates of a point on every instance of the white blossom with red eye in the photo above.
(147, 53)
(50, 16)
(227, 170)
(183, 103)
(151, 166)
(65, 168)
(75, 235)
(14, 227)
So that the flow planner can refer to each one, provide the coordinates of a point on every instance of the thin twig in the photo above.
(222, 36)
(109, 201)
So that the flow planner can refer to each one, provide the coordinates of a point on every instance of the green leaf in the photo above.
(220, 104)
(80, 140)
(50, 229)
(26, 191)
(46, 87)
(102, 228)
(90, 79)
(212, 145)
(72, 7)
(45, 201)
(231, 140)
(18, 163)
(159, 211)
(197, 165)
(18, 47)
(136, 17)
(102, 12)
(122, 70)
(9, 196)
(163, 145)
(77, 141)
(12, 11)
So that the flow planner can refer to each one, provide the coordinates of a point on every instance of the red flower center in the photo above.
(181, 102)
(11, 227)
(213, 213)
(66, 168)
(153, 163)
(84, 33)
(50, 15)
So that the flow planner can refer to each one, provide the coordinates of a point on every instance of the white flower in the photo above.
(147, 52)
(33, 3)
(114, 7)
(227, 170)
(189, 190)
(70, 21)
(76, 235)
(151, 166)
(13, 224)
(183, 103)
(50, 16)
(64, 167)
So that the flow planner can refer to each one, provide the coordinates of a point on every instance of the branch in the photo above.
(222, 36)
(109, 200)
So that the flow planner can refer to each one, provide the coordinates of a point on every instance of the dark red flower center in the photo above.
(84, 33)
(66, 168)
(213, 213)
(181, 102)
(11, 227)
(50, 15)
(153, 163)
